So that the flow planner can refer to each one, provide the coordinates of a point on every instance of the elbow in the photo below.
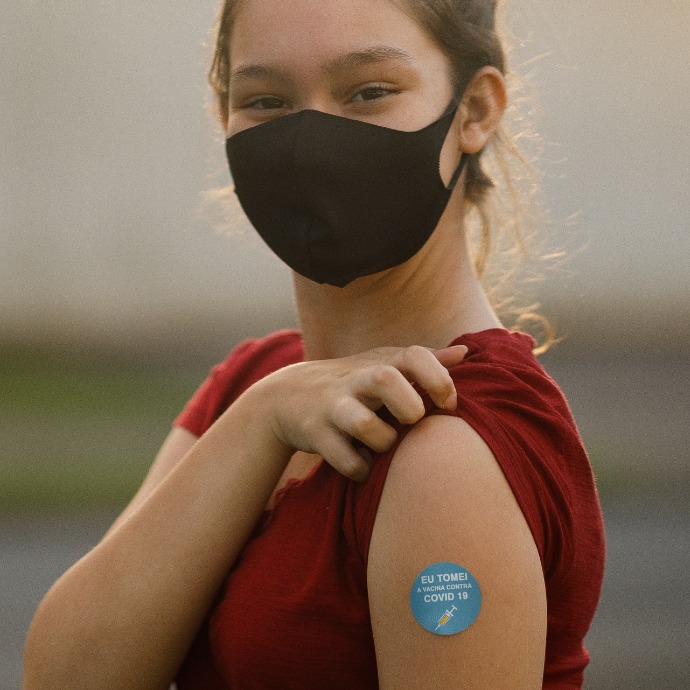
(64, 647)
(49, 651)
(67, 641)
(41, 659)
(77, 645)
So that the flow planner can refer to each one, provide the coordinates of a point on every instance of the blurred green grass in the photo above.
(80, 429)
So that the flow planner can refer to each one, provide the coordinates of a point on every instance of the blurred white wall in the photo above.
(105, 148)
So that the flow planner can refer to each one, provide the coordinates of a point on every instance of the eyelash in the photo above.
(255, 104)
(380, 89)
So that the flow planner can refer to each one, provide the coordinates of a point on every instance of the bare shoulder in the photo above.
(446, 500)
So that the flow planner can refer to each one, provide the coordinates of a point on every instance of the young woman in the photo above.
(396, 496)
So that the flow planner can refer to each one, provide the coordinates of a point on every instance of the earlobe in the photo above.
(481, 110)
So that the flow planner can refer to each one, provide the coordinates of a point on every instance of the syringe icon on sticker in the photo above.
(446, 617)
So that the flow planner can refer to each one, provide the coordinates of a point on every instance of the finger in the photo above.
(339, 453)
(386, 385)
(450, 356)
(422, 366)
(358, 421)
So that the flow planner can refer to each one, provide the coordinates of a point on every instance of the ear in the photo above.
(481, 109)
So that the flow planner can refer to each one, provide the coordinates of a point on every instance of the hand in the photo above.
(320, 406)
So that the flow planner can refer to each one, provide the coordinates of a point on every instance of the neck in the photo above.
(430, 300)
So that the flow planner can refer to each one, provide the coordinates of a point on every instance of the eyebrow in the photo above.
(368, 56)
(353, 60)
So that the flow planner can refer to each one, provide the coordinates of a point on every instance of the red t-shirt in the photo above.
(294, 611)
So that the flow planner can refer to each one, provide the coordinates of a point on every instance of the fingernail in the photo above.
(451, 402)
(456, 348)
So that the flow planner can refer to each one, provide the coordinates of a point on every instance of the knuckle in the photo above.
(310, 425)
(384, 376)
(412, 354)
(361, 427)
(415, 352)
(340, 406)
(365, 426)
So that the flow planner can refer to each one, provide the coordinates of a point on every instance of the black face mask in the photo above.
(337, 199)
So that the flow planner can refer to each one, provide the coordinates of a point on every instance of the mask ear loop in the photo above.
(453, 108)
(458, 171)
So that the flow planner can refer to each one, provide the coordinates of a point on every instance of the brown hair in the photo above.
(499, 191)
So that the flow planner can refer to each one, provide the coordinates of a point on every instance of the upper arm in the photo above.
(176, 445)
(446, 499)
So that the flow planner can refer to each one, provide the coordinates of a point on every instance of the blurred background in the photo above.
(117, 295)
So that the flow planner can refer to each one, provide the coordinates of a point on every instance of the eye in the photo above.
(265, 103)
(373, 92)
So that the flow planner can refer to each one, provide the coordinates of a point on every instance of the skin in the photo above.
(398, 93)
(122, 617)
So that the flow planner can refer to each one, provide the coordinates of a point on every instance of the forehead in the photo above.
(305, 31)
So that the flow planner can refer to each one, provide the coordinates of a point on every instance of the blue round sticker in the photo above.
(445, 599)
